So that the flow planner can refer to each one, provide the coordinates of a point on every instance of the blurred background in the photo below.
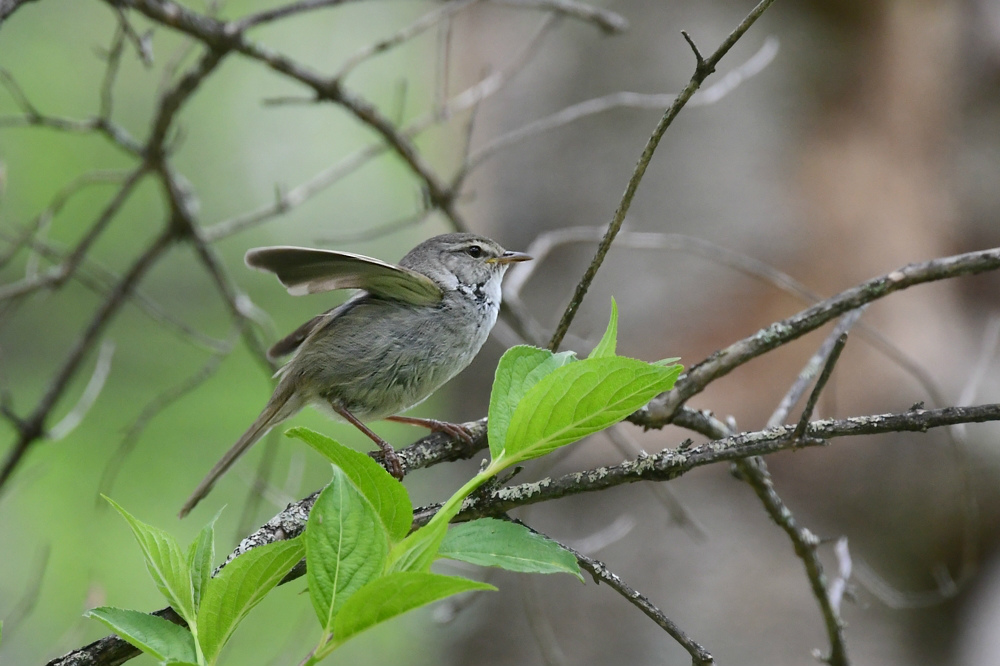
(870, 138)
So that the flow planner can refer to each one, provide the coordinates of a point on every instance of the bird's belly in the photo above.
(373, 374)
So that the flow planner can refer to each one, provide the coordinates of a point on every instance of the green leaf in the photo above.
(520, 368)
(393, 595)
(201, 556)
(419, 550)
(386, 494)
(165, 562)
(346, 546)
(490, 542)
(580, 399)
(606, 347)
(157, 637)
(240, 586)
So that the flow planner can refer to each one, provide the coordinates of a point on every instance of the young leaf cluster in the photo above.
(211, 607)
(364, 565)
(542, 401)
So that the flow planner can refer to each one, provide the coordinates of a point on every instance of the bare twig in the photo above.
(631, 100)
(660, 409)
(467, 99)
(607, 21)
(805, 543)
(539, 623)
(32, 116)
(824, 377)
(58, 275)
(102, 368)
(100, 280)
(114, 59)
(30, 232)
(823, 355)
(33, 427)
(676, 510)
(703, 69)
(838, 586)
(425, 22)
(284, 11)
(149, 412)
(601, 574)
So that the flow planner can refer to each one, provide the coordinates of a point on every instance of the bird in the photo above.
(409, 329)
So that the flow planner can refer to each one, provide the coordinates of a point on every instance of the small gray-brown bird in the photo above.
(412, 328)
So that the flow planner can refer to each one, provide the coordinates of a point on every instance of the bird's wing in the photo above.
(308, 271)
(291, 342)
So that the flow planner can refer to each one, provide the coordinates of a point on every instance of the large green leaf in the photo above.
(393, 595)
(386, 494)
(240, 586)
(606, 347)
(165, 562)
(419, 550)
(201, 556)
(157, 637)
(580, 399)
(346, 546)
(520, 368)
(489, 542)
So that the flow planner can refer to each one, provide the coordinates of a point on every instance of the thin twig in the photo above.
(663, 493)
(33, 427)
(149, 412)
(660, 409)
(30, 232)
(425, 22)
(269, 15)
(607, 21)
(754, 472)
(114, 59)
(467, 99)
(539, 623)
(812, 366)
(58, 275)
(703, 69)
(32, 116)
(824, 377)
(99, 279)
(601, 574)
(630, 100)
(102, 368)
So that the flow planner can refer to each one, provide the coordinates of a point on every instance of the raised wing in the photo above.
(307, 271)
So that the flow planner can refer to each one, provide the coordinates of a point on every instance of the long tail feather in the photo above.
(282, 405)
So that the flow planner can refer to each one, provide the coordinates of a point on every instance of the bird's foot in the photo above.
(454, 430)
(391, 459)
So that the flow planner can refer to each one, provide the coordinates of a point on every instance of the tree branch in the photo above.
(661, 409)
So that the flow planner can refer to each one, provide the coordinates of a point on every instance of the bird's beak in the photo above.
(510, 258)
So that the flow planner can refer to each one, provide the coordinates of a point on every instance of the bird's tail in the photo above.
(282, 405)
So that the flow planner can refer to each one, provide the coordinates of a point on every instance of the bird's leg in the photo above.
(455, 430)
(389, 453)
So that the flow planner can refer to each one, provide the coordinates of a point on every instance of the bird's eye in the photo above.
(474, 251)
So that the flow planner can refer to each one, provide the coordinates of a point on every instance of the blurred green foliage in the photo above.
(234, 150)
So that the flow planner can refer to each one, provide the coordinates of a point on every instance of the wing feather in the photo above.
(309, 271)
